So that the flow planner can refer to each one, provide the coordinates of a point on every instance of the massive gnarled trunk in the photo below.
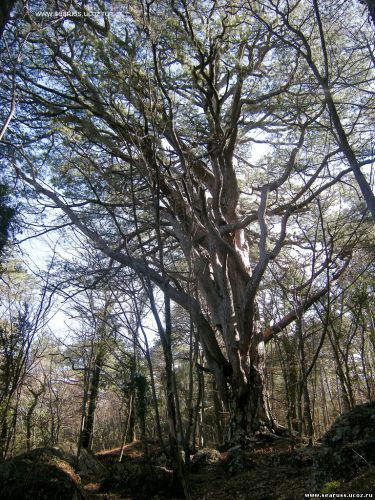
(165, 143)
(248, 406)
(246, 398)
(225, 282)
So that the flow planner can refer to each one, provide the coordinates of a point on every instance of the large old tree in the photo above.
(196, 141)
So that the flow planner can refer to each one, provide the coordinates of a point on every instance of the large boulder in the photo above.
(237, 461)
(357, 424)
(204, 457)
(134, 475)
(348, 447)
(43, 473)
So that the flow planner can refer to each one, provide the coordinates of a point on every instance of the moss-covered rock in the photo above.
(357, 424)
(204, 457)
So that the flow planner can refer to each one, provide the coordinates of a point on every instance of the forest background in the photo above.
(202, 172)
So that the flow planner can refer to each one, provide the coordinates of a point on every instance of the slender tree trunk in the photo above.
(178, 466)
(155, 400)
(131, 427)
(8, 421)
(127, 426)
(86, 386)
(304, 390)
(344, 383)
(197, 408)
(180, 432)
(364, 363)
(193, 358)
(341, 135)
(291, 368)
(218, 414)
(198, 435)
(29, 415)
(324, 402)
(3, 437)
(87, 433)
(12, 426)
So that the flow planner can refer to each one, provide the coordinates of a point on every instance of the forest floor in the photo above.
(280, 470)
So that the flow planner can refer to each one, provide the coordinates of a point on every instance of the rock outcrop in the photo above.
(348, 447)
(45, 473)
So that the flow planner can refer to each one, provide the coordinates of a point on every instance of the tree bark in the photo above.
(29, 414)
(87, 432)
(249, 409)
(303, 377)
(218, 414)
